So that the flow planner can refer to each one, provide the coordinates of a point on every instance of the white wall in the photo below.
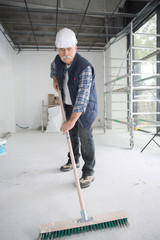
(7, 97)
(33, 84)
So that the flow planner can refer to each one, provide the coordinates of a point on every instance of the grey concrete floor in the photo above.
(33, 191)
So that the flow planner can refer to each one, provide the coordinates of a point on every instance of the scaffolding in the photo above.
(136, 89)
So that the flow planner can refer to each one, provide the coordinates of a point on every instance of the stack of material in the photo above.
(52, 100)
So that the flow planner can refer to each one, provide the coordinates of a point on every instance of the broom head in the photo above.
(61, 229)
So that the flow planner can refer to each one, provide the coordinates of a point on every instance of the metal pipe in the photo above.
(131, 88)
(146, 113)
(118, 78)
(146, 34)
(117, 121)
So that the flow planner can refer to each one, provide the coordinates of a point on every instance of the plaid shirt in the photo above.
(85, 81)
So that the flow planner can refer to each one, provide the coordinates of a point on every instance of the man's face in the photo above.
(67, 54)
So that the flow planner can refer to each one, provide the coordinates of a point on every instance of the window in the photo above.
(145, 42)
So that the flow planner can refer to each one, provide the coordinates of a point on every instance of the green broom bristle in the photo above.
(69, 232)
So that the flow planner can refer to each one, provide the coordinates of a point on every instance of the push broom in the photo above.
(85, 223)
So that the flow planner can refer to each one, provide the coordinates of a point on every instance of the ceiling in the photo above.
(33, 24)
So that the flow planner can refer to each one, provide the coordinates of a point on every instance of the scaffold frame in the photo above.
(134, 119)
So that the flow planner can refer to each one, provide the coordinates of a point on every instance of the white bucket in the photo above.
(2, 146)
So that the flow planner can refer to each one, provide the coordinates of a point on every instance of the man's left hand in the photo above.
(67, 125)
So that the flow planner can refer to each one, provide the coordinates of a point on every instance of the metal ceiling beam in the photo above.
(63, 11)
(53, 34)
(31, 23)
(30, 48)
(101, 29)
(83, 18)
(59, 25)
(51, 43)
(56, 18)
(114, 11)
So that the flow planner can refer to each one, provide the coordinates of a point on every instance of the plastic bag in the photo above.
(55, 119)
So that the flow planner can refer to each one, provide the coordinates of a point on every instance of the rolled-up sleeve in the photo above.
(84, 87)
(53, 69)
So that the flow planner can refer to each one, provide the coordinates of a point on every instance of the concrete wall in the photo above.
(7, 97)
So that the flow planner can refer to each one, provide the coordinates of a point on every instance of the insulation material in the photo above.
(55, 119)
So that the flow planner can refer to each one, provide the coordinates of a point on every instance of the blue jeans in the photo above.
(82, 137)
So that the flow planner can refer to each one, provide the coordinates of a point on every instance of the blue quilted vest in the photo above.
(78, 65)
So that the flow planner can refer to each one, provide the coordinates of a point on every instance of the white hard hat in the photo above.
(65, 38)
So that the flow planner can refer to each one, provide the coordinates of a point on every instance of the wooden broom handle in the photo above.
(72, 157)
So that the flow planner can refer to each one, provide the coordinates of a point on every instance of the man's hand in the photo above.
(68, 125)
(55, 83)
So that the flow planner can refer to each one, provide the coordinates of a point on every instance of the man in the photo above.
(74, 76)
